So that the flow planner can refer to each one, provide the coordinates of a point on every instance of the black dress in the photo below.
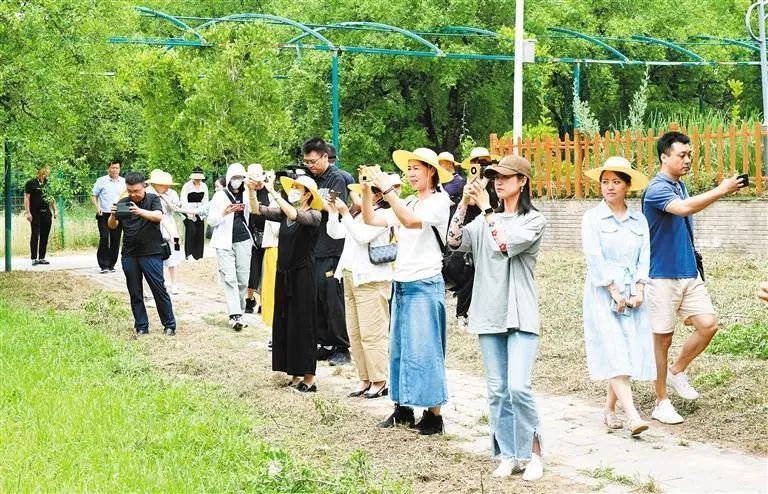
(294, 330)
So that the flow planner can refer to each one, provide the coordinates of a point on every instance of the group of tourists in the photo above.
(341, 266)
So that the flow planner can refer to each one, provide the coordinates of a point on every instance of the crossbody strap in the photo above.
(234, 201)
(685, 218)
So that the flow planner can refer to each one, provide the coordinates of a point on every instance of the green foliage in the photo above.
(740, 340)
(714, 379)
(82, 413)
(737, 89)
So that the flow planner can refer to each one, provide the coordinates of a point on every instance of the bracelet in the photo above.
(387, 191)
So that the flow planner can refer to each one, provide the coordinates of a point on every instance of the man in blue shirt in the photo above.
(677, 290)
(106, 191)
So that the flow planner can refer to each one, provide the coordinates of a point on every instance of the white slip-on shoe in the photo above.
(666, 414)
(535, 468)
(679, 383)
(507, 467)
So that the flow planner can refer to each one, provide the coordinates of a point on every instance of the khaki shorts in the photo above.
(670, 299)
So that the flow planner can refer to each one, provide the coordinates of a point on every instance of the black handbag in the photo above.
(458, 267)
(166, 250)
(382, 254)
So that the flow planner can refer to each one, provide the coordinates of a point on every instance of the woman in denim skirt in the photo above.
(418, 333)
(504, 311)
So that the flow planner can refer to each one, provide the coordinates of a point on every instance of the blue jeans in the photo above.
(151, 269)
(508, 360)
(417, 343)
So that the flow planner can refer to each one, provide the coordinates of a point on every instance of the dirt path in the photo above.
(580, 455)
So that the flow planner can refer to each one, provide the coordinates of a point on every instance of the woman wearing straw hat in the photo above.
(294, 329)
(228, 216)
(367, 290)
(454, 188)
(418, 328)
(194, 198)
(160, 183)
(504, 311)
(617, 328)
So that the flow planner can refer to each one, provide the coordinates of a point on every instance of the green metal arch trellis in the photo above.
(325, 44)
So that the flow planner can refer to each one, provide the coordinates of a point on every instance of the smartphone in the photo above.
(615, 308)
(744, 180)
(474, 172)
(332, 195)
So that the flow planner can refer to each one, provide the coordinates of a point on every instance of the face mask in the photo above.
(294, 196)
(235, 183)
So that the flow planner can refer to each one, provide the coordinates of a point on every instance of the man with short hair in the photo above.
(106, 192)
(332, 327)
(40, 211)
(140, 214)
(677, 289)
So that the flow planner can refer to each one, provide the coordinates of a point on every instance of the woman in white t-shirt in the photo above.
(418, 330)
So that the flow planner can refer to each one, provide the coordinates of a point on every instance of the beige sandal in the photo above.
(637, 426)
(612, 421)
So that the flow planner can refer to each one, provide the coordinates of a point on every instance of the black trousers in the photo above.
(41, 228)
(109, 243)
(257, 260)
(149, 268)
(464, 298)
(331, 322)
(194, 237)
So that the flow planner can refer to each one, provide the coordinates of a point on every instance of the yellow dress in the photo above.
(268, 285)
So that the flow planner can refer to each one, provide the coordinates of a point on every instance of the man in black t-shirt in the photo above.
(140, 214)
(40, 211)
(332, 327)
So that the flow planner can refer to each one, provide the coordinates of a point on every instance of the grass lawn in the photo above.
(82, 412)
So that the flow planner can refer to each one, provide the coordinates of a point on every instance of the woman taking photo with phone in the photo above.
(617, 328)
(417, 339)
(504, 311)
(228, 213)
(294, 327)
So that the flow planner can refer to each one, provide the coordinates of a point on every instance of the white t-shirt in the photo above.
(418, 253)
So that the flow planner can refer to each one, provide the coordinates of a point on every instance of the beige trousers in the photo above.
(367, 315)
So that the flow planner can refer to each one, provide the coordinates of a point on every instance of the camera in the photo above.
(332, 195)
(366, 172)
(124, 210)
(291, 171)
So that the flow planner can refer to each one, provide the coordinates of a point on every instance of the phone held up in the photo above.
(366, 172)
(744, 180)
(332, 195)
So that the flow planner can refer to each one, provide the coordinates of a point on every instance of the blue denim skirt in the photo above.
(417, 343)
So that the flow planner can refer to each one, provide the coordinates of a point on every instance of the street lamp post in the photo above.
(517, 96)
(760, 6)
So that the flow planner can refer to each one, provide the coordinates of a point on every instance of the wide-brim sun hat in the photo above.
(309, 184)
(159, 177)
(446, 156)
(622, 165)
(476, 153)
(256, 172)
(509, 165)
(401, 158)
(394, 181)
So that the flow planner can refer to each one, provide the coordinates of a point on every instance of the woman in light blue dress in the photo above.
(617, 330)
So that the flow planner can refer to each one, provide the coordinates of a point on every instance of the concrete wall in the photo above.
(734, 225)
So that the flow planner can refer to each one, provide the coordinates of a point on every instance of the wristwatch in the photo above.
(488, 211)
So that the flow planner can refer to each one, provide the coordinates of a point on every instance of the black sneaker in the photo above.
(112, 270)
(236, 323)
(43, 261)
(142, 332)
(341, 357)
(170, 332)
(35, 262)
(324, 353)
(430, 424)
(303, 388)
(250, 304)
(401, 416)
(104, 270)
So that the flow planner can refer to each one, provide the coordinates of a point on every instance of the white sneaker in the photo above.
(679, 383)
(666, 414)
(535, 468)
(507, 467)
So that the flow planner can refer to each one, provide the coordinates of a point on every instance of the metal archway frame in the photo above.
(325, 44)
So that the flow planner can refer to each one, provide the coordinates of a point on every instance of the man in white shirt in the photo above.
(106, 192)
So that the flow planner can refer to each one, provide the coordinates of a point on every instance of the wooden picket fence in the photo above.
(558, 164)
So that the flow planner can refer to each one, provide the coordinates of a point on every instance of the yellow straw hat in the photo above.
(622, 165)
(425, 155)
(307, 183)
